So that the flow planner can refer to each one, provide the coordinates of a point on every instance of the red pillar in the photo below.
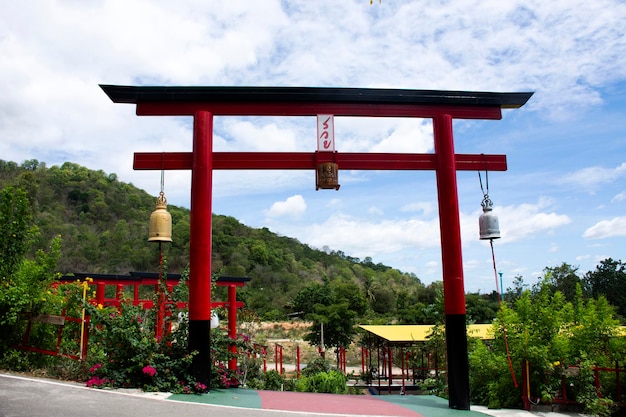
(200, 247)
(232, 325)
(100, 289)
(452, 264)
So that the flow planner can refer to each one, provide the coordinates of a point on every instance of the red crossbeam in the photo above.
(309, 160)
(312, 109)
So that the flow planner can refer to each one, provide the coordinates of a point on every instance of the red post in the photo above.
(232, 325)
(362, 360)
(278, 358)
(297, 361)
(402, 355)
(136, 294)
(525, 386)
(200, 247)
(390, 365)
(100, 289)
(596, 379)
(452, 264)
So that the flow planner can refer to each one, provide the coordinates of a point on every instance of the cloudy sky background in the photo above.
(562, 199)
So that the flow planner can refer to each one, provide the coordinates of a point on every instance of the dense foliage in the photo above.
(70, 219)
(548, 333)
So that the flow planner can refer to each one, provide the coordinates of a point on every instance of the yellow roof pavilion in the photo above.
(420, 333)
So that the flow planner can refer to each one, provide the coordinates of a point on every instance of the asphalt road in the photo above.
(37, 397)
(28, 397)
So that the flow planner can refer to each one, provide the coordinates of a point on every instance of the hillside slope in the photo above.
(104, 227)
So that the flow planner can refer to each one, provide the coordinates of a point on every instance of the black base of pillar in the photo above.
(200, 341)
(458, 364)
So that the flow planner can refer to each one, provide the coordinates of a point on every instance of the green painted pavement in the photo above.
(245, 398)
(428, 405)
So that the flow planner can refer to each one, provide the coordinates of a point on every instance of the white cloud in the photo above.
(619, 197)
(293, 206)
(591, 177)
(375, 211)
(607, 228)
(527, 220)
(471, 264)
(365, 238)
(426, 208)
(572, 54)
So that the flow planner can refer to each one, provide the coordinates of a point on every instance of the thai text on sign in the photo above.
(325, 133)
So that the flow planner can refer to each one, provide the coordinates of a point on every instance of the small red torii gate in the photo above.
(202, 103)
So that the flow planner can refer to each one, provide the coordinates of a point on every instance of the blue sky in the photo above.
(563, 198)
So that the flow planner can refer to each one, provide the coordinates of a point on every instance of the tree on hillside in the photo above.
(609, 280)
(339, 323)
(310, 296)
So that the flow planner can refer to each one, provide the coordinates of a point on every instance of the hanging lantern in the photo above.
(488, 222)
(160, 222)
(327, 176)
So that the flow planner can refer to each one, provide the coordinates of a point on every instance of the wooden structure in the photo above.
(203, 103)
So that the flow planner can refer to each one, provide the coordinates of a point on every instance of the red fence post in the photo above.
(525, 386)
(297, 361)
(100, 289)
(232, 326)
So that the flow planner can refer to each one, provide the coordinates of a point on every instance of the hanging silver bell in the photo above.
(160, 229)
(488, 222)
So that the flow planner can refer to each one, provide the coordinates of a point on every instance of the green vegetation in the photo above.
(66, 219)
(550, 333)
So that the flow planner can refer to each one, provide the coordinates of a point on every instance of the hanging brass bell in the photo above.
(160, 229)
(488, 222)
(327, 176)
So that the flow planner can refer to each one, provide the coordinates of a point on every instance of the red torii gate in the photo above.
(202, 103)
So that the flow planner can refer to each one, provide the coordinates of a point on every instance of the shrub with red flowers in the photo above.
(126, 352)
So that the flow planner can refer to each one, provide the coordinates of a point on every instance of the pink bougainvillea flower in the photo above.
(96, 382)
(149, 370)
(95, 368)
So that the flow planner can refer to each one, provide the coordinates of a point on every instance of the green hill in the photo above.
(103, 224)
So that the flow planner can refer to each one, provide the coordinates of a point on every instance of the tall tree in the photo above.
(338, 324)
(609, 280)
(563, 278)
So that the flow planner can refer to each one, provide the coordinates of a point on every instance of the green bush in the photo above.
(273, 381)
(332, 382)
(315, 367)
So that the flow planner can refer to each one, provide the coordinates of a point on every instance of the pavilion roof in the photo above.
(420, 333)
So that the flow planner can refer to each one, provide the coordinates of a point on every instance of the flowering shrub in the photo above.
(127, 353)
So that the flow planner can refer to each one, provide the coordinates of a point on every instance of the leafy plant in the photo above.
(333, 382)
